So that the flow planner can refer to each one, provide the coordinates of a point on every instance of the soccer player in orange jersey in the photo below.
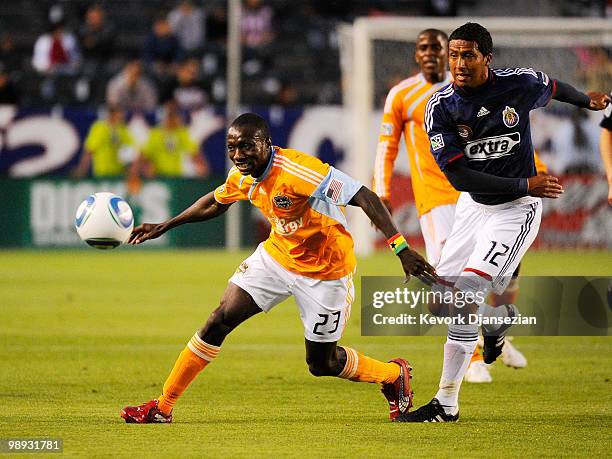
(435, 197)
(404, 113)
(309, 255)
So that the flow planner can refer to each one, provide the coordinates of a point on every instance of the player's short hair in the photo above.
(435, 32)
(472, 31)
(252, 120)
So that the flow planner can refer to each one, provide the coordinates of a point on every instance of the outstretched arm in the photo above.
(565, 92)
(412, 262)
(203, 209)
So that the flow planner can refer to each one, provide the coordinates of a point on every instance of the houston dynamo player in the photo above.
(478, 127)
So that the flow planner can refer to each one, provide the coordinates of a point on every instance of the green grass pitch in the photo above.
(84, 333)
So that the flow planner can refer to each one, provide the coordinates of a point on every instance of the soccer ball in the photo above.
(104, 220)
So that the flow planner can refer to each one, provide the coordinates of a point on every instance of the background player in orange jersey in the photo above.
(435, 197)
(404, 113)
(309, 255)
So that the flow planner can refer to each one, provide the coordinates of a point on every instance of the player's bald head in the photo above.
(434, 33)
(249, 145)
(430, 54)
(252, 122)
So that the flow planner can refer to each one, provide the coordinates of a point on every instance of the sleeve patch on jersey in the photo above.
(386, 129)
(334, 189)
(437, 142)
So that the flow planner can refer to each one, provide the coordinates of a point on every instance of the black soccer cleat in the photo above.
(432, 412)
(493, 344)
(492, 348)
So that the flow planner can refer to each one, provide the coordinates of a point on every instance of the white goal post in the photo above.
(358, 64)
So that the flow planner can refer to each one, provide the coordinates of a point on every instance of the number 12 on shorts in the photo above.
(491, 258)
(325, 319)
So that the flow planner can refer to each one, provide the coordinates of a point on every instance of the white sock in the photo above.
(458, 351)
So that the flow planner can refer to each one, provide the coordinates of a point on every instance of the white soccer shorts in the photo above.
(436, 226)
(489, 241)
(324, 305)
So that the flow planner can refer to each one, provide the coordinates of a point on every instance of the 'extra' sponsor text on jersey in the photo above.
(496, 140)
(492, 147)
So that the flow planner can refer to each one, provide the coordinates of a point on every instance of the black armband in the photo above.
(567, 93)
(465, 179)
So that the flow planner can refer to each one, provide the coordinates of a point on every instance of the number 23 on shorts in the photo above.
(327, 326)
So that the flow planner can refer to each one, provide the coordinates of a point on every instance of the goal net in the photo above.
(377, 53)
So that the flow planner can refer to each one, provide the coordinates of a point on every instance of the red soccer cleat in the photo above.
(147, 413)
(399, 393)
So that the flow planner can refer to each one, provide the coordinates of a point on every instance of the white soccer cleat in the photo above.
(478, 372)
(512, 357)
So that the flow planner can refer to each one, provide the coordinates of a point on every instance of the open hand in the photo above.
(145, 232)
(544, 186)
(415, 265)
(599, 100)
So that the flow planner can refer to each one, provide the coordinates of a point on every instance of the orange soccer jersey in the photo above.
(405, 113)
(301, 197)
(541, 167)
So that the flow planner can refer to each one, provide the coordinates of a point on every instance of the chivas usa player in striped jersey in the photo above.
(479, 133)
(435, 198)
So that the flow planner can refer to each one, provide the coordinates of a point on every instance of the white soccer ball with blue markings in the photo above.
(104, 220)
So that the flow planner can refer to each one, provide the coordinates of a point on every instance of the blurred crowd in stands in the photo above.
(84, 52)
(142, 52)
(135, 56)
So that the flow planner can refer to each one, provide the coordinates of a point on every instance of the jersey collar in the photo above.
(263, 176)
(448, 79)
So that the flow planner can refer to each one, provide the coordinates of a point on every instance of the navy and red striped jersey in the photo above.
(489, 125)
